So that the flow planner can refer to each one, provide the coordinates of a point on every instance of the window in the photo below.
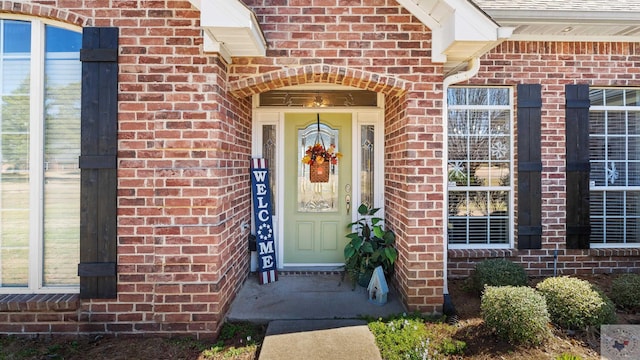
(318, 98)
(614, 151)
(269, 141)
(479, 166)
(367, 164)
(39, 149)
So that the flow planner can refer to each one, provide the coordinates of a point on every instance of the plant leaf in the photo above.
(359, 223)
(378, 232)
(391, 254)
(366, 247)
(376, 255)
(353, 235)
(349, 251)
(389, 238)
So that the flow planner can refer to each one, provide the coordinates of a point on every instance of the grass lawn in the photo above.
(60, 230)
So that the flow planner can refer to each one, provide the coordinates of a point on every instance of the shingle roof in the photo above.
(560, 5)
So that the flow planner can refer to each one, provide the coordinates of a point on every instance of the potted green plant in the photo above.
(370, 246)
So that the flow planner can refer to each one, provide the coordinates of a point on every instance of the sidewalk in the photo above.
(313, 317)
(319, 340)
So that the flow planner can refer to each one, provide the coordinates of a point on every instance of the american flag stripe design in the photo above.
(268, 277)
(258, 163)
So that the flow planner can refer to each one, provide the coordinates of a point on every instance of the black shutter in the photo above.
(98, 163)
(529, 167)
(578, 167)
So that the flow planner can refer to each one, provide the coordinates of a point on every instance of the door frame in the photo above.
(359, 116)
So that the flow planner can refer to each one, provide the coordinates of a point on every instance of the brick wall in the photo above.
(553, 65)
(183, 184)
(183, 177)
(185, 138)
(374, 45)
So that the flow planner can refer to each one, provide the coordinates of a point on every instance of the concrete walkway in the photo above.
(313, 317)
(319, 340)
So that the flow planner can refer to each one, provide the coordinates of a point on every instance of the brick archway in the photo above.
(319, 74)
(45, 11)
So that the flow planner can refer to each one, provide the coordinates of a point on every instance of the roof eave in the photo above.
(460, 30)
(230, 29)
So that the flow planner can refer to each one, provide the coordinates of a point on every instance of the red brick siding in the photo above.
(190, 143)
(379, 46)
(185, 139)
(183, 192)
(541, 262)
(553, 65)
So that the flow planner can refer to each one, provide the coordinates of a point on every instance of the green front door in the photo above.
(316, 214)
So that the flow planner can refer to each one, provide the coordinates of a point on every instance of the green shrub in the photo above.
(576, 304)
(517, 314)
(568, 357)
(497, 272)
(450, 346)
(411, 337)
(239, 330)
(625, 291)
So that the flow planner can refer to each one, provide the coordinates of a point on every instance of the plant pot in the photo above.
(364, 278)
(319, 173)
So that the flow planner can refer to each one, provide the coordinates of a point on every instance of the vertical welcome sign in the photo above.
(267, 270)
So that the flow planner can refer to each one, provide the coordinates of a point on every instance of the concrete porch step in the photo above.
(308, 297)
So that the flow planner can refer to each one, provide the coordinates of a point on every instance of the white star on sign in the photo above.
(265, 232)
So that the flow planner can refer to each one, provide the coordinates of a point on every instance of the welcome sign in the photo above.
(267, 270)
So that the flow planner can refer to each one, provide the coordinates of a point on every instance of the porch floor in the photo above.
(312, 296)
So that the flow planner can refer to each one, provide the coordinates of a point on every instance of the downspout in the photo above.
(474, 66)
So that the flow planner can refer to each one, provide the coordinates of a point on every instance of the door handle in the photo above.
(347, 201)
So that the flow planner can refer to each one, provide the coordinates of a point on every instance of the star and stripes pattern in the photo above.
(265, 244)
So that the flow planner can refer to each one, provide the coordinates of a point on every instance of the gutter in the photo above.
(568, 17)
(473, 67)
(472, 70)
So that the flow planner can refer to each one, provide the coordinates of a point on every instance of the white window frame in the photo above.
(592, 184)
(36, 156)
(511, 188)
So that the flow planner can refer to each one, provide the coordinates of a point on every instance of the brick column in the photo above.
(414, 195)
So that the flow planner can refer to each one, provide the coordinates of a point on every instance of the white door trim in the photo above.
(360, 116)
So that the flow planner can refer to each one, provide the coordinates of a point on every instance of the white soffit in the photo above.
(230, 28)
(570, 25)
(460, 30)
